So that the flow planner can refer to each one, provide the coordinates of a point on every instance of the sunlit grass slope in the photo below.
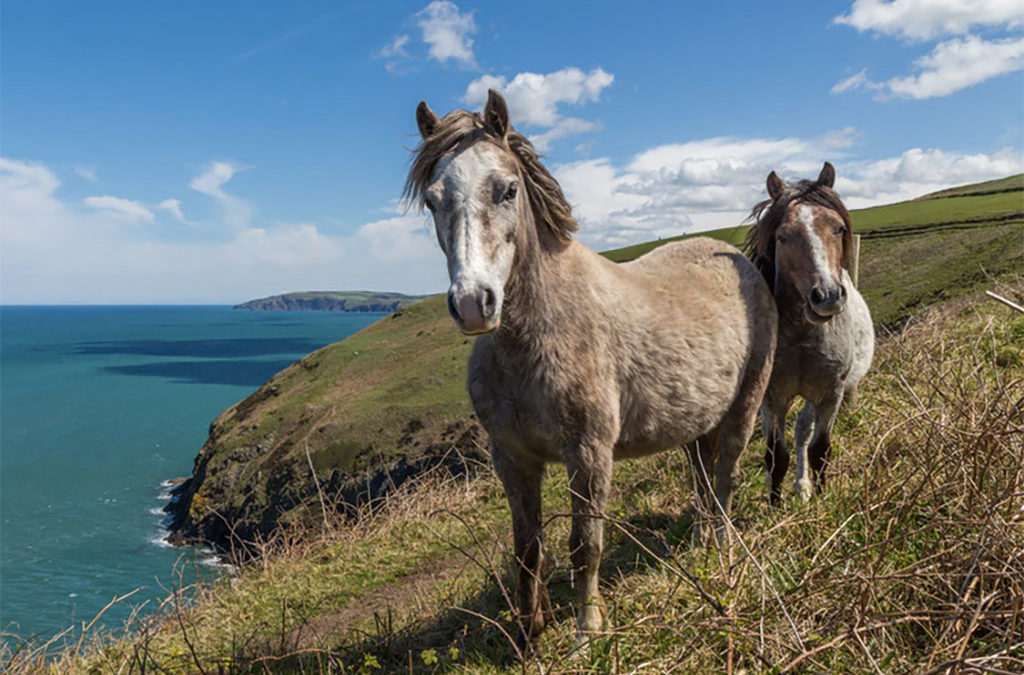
(912, 560)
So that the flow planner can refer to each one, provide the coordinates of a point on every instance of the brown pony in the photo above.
(580, 360)
(801, 242)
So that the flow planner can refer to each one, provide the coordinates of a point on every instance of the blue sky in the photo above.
(201, 152)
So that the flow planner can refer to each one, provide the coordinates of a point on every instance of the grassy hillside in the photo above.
(353, 422)
(911, 561)
(1008, 184)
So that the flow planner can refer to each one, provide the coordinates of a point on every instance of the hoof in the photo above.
(805, 489)
(590, 618)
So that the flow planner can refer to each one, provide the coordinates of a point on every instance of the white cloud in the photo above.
(710, 183)
(930, 19)
(57, 251)
(958, 64)
(533, 98)
(237, 212)
(917, 172)
(951, 66)
(447, 32)
(121, 209)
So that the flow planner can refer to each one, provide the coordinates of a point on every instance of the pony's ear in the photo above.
(775, 185)
(426, 119)
(827, 177)
(496, 113)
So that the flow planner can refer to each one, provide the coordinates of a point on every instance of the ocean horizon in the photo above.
(101, 407)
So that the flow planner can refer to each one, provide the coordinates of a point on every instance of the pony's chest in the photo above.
(813, 363)
(517, 407)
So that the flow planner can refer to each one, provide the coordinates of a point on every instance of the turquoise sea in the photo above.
(99, 406)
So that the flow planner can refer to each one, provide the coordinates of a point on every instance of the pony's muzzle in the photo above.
(475, 309)
(824, 302)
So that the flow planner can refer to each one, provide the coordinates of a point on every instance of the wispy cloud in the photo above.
(122, 209)
(88, 172)
(237, 212)
(288, 35)
(173, 206)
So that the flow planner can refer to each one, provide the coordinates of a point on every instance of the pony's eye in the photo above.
(840, 229)
(511, 192)
(780, 238)
(428, 201)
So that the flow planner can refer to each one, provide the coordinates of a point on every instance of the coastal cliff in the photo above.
(349, 422)
(332, 301)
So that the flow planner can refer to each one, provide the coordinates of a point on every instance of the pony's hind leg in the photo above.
(776, 454)
(733, 435)
(522, 483)
(701, 454)
(821, 443)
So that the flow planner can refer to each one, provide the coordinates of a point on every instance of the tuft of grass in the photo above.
(911, 560)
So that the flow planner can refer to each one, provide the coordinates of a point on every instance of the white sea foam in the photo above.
(160, 540)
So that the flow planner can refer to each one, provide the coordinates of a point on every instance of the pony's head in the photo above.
(482, 181)
(802, 239)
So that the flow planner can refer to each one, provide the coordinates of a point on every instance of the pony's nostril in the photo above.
(490, 303)
(451, 307)
(842, 292)
(817, 297)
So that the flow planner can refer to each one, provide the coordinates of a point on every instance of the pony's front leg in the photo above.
(804, 430)
(813, 428)
(590, 475)
(522, 482)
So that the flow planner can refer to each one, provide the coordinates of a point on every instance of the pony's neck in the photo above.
(527, 308)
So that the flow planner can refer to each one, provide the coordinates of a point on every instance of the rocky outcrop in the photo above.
(351, 422)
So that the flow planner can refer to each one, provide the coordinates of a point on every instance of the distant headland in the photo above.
(332, 301)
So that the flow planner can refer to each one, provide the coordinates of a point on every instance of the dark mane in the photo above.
(547, 202)
(768, 215)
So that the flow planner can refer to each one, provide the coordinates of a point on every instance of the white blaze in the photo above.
(806, 217)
